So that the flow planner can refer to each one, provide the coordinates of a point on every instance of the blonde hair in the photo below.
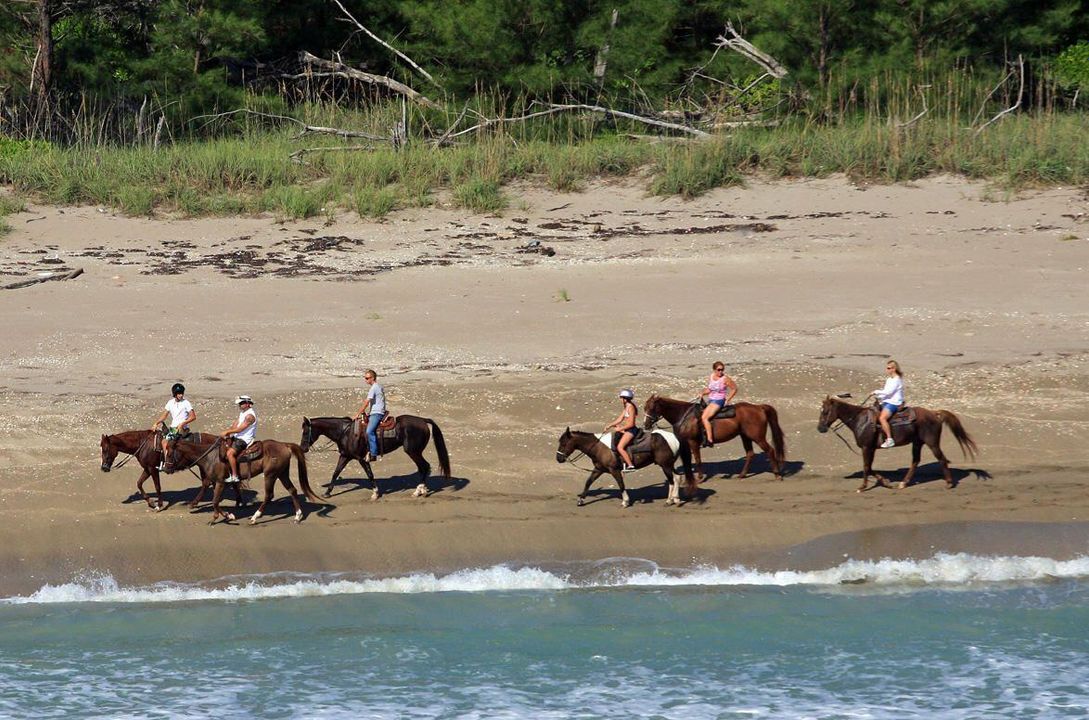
(895, 366)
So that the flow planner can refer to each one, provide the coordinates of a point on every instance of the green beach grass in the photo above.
(252, 172)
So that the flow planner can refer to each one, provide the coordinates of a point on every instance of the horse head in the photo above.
(170, 459)
(651, 411)
(307, 434)
(829, 414)
(109, 453)
(566, 446)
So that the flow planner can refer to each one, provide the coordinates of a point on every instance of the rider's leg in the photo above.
(883, 418)
(372, 432)
(232, 460)
(708, 413)
(621, 447)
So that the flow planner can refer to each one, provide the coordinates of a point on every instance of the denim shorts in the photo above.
(890, 407)
(721, 403)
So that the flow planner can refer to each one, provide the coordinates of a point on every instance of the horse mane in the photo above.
(330, 417)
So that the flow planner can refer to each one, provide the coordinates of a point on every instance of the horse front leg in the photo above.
(698, 460)
(341, 462)
(159, 505)
(594, 475)
(140, 485)
(217, 496)
(625, 501)
(916, 453)
(867, 467)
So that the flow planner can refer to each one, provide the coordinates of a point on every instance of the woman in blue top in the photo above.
(891, 398)
(376, 402)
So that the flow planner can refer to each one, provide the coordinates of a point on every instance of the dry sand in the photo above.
(802, 288)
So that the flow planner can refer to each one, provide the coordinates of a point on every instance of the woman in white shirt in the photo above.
(891, 398)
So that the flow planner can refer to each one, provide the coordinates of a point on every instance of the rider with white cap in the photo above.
(625, 425)
(244, 432)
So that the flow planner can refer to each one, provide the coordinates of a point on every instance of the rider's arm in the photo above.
(363, 409)
(158, 420)
(732, 387)
(238, 426)
(189, 418)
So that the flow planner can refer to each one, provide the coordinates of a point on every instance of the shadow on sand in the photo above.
(927, 473)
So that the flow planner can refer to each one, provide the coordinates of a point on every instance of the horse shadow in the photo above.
(398, 483)
(646, 495)
(760, 466)
(928, 473)
(184, 497)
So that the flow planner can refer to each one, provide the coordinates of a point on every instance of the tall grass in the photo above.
(893, 129)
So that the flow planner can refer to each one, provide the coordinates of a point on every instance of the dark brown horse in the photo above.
(274, 463)
(926, 430)
(657, 451)
(750, 421)
(410, 432)
(144, 446)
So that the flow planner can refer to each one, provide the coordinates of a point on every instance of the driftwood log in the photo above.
(55, 276)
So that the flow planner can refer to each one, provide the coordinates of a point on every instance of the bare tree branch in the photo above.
(731, 39)
(1020, 93)
(921, 89)
(384, 44)
(298, 154)
(306, 129)
(554, 109)
(336, 69)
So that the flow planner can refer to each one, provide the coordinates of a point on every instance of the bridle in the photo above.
(128, 456)
(195, 462)
(332, 441)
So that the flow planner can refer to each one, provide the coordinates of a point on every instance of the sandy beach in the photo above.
(507, 329)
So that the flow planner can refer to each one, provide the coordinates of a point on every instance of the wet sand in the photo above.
(802, 288)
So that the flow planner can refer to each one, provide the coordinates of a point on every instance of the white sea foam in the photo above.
(948, 570)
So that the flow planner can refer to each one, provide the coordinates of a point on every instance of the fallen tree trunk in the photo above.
(55, 276)
(554, 109)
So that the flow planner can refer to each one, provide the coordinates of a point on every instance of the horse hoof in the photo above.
(374, 497)
(159, 508)
(901, 485)
(298, 516)
(581, 502)
(230, 517)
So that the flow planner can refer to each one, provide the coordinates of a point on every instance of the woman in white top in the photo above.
(244, 431)
(891, 398)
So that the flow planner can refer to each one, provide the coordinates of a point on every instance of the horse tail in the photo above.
(967, 444)
(440, 448)
(778, 441)
(304, 480)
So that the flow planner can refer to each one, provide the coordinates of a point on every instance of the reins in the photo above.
(130, 456)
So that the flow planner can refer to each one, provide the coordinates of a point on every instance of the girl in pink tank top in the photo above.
(720, 390)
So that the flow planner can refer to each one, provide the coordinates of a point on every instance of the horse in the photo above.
(274, 463)
(657, 451)
(410, 432)
(927, 429)
(750, 421)
(144, 445)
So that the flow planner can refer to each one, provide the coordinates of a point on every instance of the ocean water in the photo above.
(954, 636)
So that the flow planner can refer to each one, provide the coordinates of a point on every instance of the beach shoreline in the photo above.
(503, 346)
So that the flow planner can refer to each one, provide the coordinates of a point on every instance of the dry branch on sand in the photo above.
(55, 276)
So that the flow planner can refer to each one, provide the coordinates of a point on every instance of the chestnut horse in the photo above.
(926, 430)
(144, 446)
(605, 460)
(750, 421)
(274, 463)
(411, 432)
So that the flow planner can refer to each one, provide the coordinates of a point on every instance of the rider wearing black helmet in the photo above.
(180, 413)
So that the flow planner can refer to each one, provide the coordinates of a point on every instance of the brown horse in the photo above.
(926, 430)
(750, 421)
(410, 432)
(656, 451)
(274, 463)
(144, 446)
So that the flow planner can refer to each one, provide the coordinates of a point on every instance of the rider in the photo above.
(376, 401)
(244, 431)
(180, 412)
(720, 390)
(625, 424)
(891, 398)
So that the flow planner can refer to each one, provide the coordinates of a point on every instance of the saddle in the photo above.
(253, 453)
(640, 443)
(727, 411)
(900, 423)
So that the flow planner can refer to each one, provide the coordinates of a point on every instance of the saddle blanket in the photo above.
(903, 416)
(727, 412)
(671, 439)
